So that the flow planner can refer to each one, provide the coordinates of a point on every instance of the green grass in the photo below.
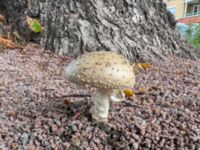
(193, 35)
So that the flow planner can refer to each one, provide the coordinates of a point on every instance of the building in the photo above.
(185, 11)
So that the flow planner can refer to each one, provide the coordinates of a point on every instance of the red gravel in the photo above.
(166, 116)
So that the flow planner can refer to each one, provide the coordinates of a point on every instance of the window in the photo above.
(196, 10)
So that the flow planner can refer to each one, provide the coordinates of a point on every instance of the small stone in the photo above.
(45, 143)
(36, 142)
(74, 128)
(182, 127)
(24, 138)
(135, 145)
(76, 142)
(84, 145)
(66, 145)
(14, 145)
(54, 127)
(60, 131)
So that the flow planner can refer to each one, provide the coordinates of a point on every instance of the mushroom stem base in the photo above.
(101, 106)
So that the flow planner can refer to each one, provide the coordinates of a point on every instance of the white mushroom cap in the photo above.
(102, 70)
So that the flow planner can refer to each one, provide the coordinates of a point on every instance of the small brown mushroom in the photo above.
(109, 72)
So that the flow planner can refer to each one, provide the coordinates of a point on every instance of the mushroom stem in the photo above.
(101, 106)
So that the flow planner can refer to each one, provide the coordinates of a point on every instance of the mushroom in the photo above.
(108, 72)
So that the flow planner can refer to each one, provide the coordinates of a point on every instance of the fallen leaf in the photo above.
(142, 91)
(34, 25)
(146, 65)
(2, 18)
(180, 73)
(8, 43)
(66, 102)
(129, 93)
(43, 65)
(141, 66)
(12, 114)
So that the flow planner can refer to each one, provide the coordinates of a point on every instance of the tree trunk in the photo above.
(139, 29)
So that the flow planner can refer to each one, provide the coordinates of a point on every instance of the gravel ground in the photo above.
(164, 113)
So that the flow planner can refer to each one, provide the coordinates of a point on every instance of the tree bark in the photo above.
(141, 30)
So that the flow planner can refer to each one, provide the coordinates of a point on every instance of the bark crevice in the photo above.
(138, 29)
